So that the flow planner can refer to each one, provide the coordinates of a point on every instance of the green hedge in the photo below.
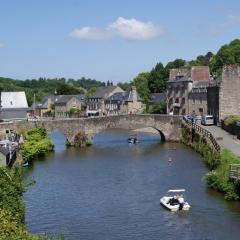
(37, 144)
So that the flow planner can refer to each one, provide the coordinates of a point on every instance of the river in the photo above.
(111, 191)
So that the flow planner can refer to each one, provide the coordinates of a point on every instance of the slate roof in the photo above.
(102, 92)
(13, 100)
(4, 151)
(201, 84)
(119, 96)
(129, 96)
(156, 97)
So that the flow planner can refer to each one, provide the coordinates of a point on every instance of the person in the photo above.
(174, 200)
(181, 202)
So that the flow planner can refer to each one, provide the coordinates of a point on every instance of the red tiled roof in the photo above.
(176, 72)
(200, 73)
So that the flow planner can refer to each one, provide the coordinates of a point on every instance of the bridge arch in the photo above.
(167, 126)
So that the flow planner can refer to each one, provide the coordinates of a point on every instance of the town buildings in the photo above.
(96, 102)
(187, 91)
(112, 100)
(57, 105)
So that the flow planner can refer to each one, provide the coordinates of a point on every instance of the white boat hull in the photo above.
(164, 201)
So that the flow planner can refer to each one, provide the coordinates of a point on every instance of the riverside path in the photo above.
(224, 139)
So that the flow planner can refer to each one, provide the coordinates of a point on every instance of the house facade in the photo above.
(14, 106)
(187, 91)
(64, 104)
(96, 102)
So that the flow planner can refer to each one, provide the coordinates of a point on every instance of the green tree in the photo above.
(227, 54)
(125, 85)
(159, 108)
(157, 78)
(66, 89)
(141, 83)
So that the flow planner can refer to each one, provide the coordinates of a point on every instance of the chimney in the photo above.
(134, 94)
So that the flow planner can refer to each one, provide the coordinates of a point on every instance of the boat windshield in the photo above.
(176, 191)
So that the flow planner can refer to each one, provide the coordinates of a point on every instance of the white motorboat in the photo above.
(132, 139)
(174, 200)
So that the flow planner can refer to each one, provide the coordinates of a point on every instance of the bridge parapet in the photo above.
(167, 126)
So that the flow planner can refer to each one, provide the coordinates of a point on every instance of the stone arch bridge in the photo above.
(167, 126)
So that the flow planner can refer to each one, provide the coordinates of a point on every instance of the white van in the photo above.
(207, 120)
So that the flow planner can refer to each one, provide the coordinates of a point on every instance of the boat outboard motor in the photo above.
(181, 206)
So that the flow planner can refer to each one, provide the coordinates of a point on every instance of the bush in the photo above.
(219, 179)
(218, 163)
(37, 144)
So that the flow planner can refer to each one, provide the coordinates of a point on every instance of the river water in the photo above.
(111, 191)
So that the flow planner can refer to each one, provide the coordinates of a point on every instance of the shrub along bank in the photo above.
(37, 144)
(12, 206)
(218, 163)
(231, 124)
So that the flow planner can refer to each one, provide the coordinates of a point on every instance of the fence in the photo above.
(203, 132)
(234, 172)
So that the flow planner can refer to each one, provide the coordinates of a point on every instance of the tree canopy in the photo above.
(227, 54)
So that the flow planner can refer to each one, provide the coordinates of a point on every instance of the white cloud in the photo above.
(130, 29)
(90, 33)
(1, 45)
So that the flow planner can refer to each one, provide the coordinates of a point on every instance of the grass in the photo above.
(218, 163)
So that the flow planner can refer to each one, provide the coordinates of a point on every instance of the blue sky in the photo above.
(109, 40)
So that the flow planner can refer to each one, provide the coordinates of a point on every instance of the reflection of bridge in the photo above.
(167, 126)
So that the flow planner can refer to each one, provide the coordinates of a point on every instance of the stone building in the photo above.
(57, 105)
(96, 102)
(65, 103)
(187, 91)
(112, 100)
(114, 103)
(223, 94)
(133, 104)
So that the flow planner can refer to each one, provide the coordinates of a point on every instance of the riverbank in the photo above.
(217, 162)
(12, 207)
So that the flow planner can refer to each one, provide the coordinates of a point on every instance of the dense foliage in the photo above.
(12, 207)
(158, 108)
(227, 54)
(45, 86)
(37, 144)
(219, 178)
(218, 163)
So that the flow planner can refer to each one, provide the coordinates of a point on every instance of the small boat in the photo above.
(132, 140)
(174, 200)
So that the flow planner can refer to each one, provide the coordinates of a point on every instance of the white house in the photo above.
(14, 106)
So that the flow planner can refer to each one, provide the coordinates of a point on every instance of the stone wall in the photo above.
(229, 94)
(197, 101)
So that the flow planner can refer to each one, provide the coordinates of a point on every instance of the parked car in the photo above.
(207, 120)
(197, 119)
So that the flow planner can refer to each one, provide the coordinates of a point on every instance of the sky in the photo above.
(109, 39)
